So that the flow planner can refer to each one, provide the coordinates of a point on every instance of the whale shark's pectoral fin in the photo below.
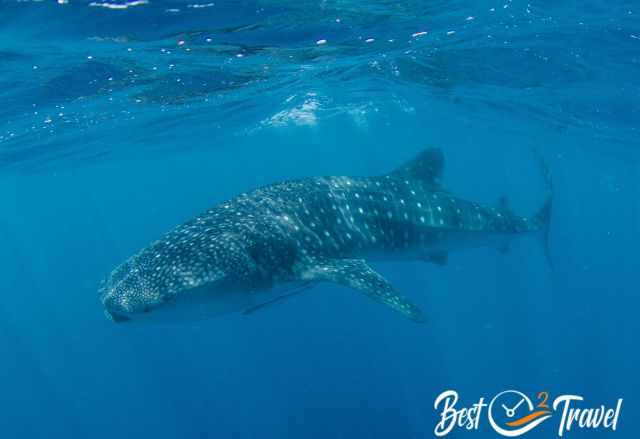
(356, 274)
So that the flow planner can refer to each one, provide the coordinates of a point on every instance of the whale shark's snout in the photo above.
(128, 292)
(116, 317)
(114, 309)
(117, 305)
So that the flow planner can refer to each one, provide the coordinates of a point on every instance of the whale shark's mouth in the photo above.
(116, 317)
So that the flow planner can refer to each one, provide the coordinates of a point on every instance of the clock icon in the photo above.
(512, 413)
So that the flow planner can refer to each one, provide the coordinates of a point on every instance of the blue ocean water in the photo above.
(121, 120)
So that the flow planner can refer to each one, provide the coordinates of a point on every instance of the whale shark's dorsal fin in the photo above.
(356, 274)
(426, 167)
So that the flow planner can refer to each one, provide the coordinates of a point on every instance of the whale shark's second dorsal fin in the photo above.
(426, 167)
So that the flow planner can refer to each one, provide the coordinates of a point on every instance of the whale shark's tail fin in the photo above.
(543, 216)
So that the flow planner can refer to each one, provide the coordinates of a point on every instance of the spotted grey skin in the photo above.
(277, 240)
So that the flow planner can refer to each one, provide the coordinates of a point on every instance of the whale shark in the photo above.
(267, 245)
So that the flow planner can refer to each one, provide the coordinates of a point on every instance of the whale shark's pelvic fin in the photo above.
(356, 274)
(426, 167)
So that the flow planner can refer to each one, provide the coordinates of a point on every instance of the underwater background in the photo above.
(120, 120)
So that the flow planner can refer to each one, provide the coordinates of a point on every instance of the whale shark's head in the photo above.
(177, 279)
(132, 289)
